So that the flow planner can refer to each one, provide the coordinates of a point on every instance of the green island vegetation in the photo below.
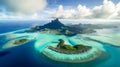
(20, 41)
(68, 49)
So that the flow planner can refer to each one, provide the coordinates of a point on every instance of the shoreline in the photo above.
(70, 52)
(73, 58)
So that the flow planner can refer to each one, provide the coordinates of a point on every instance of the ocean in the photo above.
(12, 25)
(26, 55)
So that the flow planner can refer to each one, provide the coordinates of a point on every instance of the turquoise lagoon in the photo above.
(31, 52)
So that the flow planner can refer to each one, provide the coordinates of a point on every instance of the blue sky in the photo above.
(64, 9)
(74, 3)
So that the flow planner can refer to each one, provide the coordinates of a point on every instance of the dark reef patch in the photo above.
(4, 53)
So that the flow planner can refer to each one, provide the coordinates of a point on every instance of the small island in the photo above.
(68, 49)
(72, 54)
(15, 42)
(20, 41)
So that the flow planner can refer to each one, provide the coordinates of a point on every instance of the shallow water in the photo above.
(28, 55)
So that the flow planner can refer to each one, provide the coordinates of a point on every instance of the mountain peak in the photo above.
(54, 24)
(56, 21)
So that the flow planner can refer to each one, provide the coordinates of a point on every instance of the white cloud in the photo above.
(26, 7)
(82, 11)
(117, 12)
(61, 13)
(108, 10)
(103, 11)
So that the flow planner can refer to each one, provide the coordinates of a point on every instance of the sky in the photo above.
(63, 9)
(74, 3)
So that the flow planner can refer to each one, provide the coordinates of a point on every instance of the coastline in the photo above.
(70, 52)
(73, 58)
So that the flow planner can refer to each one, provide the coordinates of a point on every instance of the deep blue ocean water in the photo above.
(26, 55)
(12, 25)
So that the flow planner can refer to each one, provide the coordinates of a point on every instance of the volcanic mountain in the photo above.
(54, 27)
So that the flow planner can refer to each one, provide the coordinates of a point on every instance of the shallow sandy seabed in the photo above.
(44, 40)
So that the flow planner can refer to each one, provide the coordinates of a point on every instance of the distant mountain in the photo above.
(56, 27)
(53, 27)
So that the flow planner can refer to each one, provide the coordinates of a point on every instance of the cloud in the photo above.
(108, 10)
(82, 11)
(105, 10)
(25, 7)
(61, 13)
(34, 9)
(79, 12)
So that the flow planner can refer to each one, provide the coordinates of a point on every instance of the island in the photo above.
(20, 41)
(72, 54)
(68, 49)
(15, 42)
(56, 27)
(59, 28)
